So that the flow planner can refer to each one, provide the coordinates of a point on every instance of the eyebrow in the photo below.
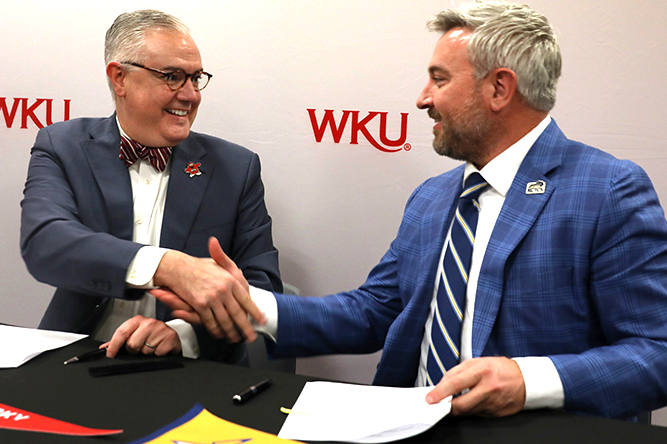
(435, 69)
(175, 68)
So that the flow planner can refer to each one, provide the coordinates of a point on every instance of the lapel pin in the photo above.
(193, 169)
(536, 187)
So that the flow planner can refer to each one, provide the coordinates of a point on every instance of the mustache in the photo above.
(433, 114)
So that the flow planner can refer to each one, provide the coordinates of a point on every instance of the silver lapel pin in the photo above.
(536, 187)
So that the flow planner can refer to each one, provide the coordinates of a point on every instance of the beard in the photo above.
(468, 138)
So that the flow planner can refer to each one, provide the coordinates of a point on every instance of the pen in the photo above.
(94, 354)
(252, 391)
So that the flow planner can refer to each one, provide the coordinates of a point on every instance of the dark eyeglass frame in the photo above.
(167, 75)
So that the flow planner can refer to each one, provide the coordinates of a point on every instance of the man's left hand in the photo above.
(147, 336)
(496, 387)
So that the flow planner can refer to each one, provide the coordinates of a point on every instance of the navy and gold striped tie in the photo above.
(445, 338)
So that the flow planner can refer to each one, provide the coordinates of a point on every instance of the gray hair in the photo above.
(509, 35)
(125, 39)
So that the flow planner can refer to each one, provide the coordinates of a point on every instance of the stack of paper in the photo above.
(327, 411)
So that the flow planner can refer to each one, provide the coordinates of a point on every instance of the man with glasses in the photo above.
(114, 207)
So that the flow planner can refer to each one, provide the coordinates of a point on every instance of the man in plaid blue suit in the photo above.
(567, 293)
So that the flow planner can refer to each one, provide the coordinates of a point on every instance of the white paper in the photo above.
(18, 345)
(328, 411)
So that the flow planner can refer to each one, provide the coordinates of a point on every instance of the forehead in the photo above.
(171, 49)
(451, 52)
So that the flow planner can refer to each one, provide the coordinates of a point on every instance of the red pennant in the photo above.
(11, 418)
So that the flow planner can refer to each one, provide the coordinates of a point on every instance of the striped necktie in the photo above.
(131, 151)
(445, 341)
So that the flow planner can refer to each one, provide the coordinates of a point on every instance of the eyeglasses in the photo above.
(176, 79)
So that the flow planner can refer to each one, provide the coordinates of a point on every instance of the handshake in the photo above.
(209, 291)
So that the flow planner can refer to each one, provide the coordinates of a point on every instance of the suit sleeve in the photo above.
(61, 242)
(628, 290)
(350, 322)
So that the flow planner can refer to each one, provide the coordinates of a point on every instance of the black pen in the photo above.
(251, 392)
(89, 356)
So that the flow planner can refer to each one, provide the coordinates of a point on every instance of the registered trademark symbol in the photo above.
(407, 147)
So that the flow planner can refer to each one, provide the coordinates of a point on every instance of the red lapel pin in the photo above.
(193, 169)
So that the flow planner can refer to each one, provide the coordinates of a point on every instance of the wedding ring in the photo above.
(148, 345)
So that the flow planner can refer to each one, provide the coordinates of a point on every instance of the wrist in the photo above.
(169, 268)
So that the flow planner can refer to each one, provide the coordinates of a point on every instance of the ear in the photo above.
(117, 76)
(502, 85)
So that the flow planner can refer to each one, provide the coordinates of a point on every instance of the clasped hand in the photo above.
(212, 292)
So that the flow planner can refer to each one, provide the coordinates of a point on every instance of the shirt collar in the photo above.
(120, 129)
(500, 172)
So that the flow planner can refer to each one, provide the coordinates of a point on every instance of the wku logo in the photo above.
(358, 125)
(39, 111)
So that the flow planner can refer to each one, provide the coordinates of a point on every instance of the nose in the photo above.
(425, 100)
(188, 93)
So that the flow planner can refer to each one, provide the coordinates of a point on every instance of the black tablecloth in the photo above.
(142, 403)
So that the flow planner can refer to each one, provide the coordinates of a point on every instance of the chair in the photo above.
(257, 350)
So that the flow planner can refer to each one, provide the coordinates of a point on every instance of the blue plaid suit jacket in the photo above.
(578, 274)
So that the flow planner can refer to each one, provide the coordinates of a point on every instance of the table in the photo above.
(141, 403)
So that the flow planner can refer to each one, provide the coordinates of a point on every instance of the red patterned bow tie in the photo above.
(131, 151)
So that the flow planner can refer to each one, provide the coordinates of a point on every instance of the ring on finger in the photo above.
(149, 346)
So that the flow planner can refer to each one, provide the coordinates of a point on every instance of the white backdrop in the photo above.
(336, 206)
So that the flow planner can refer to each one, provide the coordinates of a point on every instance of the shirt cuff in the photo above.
(188, 337)
(266, 302)
(544, 389)
(143, 267)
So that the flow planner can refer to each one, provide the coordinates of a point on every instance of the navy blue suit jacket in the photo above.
(77, 219)
(578, 274)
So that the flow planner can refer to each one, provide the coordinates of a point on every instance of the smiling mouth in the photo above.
(177, 112)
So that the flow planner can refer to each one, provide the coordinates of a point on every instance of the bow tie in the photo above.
(131, 151)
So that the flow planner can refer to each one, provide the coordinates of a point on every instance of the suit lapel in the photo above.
(185, 193)
(518, 215)
(441, 213)
(435, 220)
(102, 153)
(444, 208)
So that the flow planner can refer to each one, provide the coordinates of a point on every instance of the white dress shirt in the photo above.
(544, 388)
(149, 193)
